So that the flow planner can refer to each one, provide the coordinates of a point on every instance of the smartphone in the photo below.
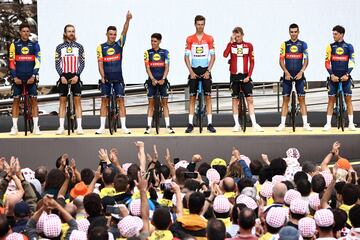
(165, 186)
(176, 160)
(353, 178)
(112, 209)
(190, 175)
(103, 166)
(207, 194)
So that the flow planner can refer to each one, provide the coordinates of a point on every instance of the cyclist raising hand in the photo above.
(110, 55)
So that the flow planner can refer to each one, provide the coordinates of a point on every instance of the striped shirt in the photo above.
(69, 58)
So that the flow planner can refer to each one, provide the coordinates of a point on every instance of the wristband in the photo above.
(208, 200)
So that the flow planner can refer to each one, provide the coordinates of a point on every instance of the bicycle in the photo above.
(340, 106)
(158, 110)
(113, 111)
(294, 106)
(200, 108)
(242, 109)
(70, 112)
(27, 109)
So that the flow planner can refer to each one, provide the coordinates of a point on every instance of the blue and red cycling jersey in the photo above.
(156, 60)
(111, 55)
(294, 54)
(340, 58)
(24, 58)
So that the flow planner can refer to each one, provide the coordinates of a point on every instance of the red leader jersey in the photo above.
(241, 59)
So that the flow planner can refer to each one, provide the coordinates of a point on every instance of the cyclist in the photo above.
(110, 55)
(339, 62)
(200, 46)
(24, 56)
(294, 59)
(157, 68)
(69, 63)
(241, 68)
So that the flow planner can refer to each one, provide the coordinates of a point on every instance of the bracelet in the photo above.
(208, 200)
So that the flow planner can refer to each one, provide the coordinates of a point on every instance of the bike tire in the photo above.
(199, 113)
(110, 115)
(293, 111)
(31, 124)
(242, 113)
(116, 116)
(68, 115)
(25, 117)
(341, 112)
(157, 114)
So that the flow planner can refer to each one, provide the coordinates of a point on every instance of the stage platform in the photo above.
(35, 150)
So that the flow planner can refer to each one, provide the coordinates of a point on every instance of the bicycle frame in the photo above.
(157, 109)
(200, 109)
(27, 109)
(340, 108)
(70, 109)
(242, 107)
(113, 111)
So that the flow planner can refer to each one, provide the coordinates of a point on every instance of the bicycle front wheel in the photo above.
(157, 114)
(242, 113)
(341, 112)
(293, 111)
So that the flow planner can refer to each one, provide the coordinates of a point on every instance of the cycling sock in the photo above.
(167, 122)
(304, 118)
(283, 120)
(149, 121)
(253, 119)
(209, 118)
(102, 122)
(328, 119)
(36, 122)
(15, 121)
(236, 119)
(61, 121)
(78, 121)
(351, 119)
(191, 117)
(123, 122)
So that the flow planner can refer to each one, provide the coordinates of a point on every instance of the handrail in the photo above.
(138, 89)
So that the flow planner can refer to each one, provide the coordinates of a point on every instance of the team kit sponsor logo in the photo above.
(25, 50)
(294, 53)
(156, 61)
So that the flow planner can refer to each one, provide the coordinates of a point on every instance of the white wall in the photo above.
(265, 23)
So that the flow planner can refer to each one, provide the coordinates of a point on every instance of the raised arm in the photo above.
(126, 24)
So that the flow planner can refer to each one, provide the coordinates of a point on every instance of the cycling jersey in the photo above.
(241, 59)
(111, 55)
(340, 58)
(199, 50)
(69, 58)
(294, 53)
(156, 60)
(24, 58)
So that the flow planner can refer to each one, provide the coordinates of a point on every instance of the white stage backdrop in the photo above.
(265, 23)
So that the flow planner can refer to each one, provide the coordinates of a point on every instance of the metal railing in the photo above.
(139, 90)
